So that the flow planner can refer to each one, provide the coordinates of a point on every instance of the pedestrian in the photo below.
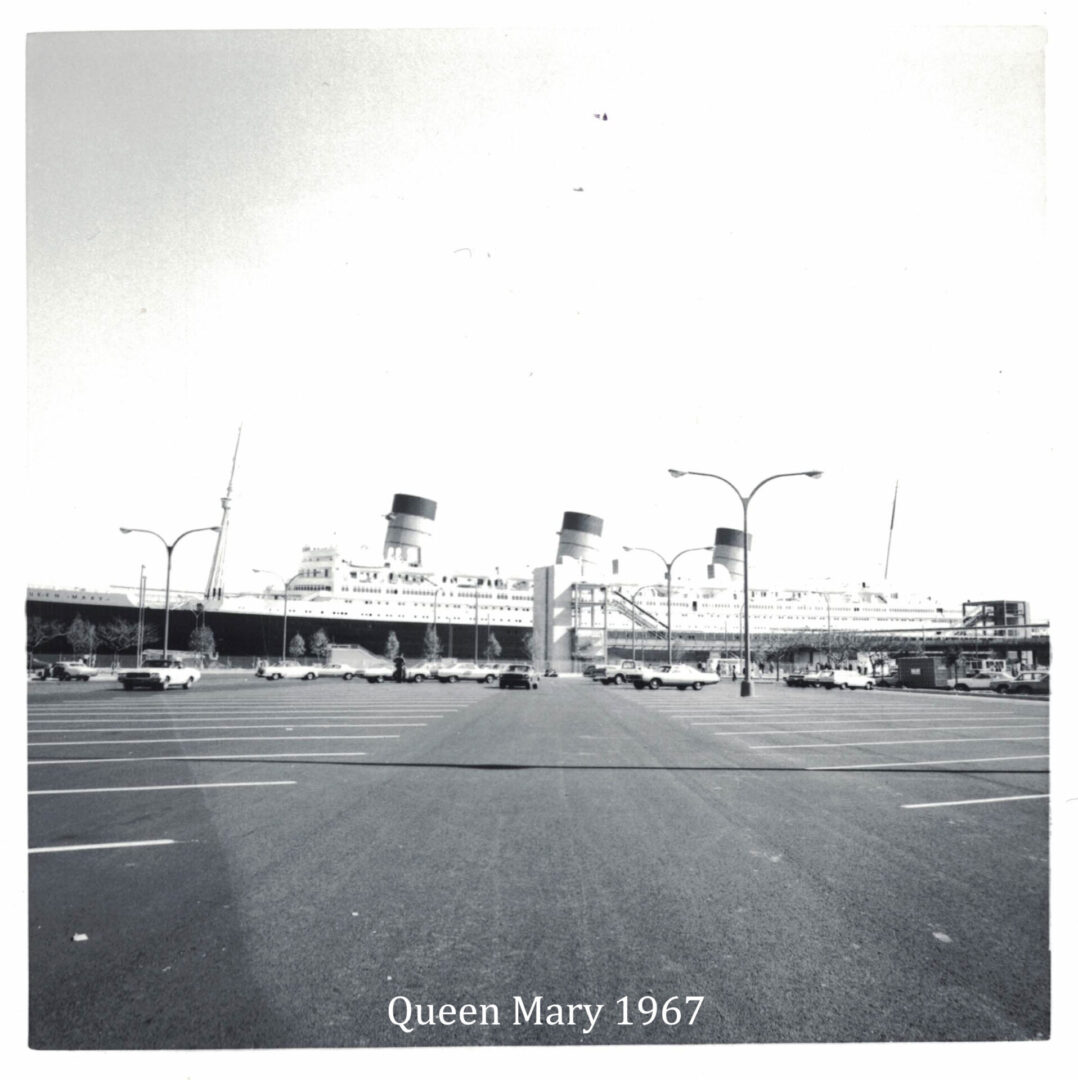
(398, 669)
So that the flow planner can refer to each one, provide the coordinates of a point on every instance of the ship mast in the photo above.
(890, 532)
(214, 586)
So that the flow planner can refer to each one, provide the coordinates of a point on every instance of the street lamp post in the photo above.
(746, 682)
(169, 548)
(284, 626)
(669, 591)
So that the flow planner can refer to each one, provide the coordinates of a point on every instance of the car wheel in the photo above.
(698, 686)
(654, 684)
(617, 680)
(190, 682)
(489, 679)
(453, 678)
(963, 688)
(347, 676)
(869, 685)
(310, 675)
(418, 678)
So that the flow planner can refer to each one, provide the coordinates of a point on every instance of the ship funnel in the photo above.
(729, 553)
(410, 524)
(579, 537)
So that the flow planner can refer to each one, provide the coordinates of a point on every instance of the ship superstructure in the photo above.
(476, 614)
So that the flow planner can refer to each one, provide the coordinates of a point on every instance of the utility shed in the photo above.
(926, 672)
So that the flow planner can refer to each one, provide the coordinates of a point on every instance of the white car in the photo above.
(984, 680)
(680, 675)
(420, 672)
(160, 675)
(846, 680)
(287, 669)
(377, 672)
(464, 671)
(69, 670)
(337, 671)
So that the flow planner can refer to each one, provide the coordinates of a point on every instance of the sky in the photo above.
(416, 261)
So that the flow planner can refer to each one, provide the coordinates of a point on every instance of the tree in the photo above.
(393, 647)
(529, 647)
(203, 642)
(39, 630)
(118, 635)
(81, 636)
(493, 649)
(432, 646)
(297, 646)
(319, 645)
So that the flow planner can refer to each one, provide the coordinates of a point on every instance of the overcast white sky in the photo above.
(799, 249)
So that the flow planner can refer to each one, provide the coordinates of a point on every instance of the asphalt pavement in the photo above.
(336, 864)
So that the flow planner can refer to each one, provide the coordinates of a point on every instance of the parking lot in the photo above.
(253, 864)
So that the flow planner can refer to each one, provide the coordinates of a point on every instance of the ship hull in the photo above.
(260, 634)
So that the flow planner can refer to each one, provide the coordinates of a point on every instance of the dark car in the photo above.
(522, 675)
(1028, 682)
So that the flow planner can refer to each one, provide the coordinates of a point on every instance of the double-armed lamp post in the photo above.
(669, 591)
(169, 548)
(815, 474)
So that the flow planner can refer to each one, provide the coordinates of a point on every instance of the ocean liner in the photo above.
(360, 604)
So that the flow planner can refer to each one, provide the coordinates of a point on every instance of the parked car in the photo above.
(160, 675)
(37, 669)
(983, 680)
(1028, 682)
(66, 670)
(811, 678)
(795, 678)
(891, 679)
(377, 672)
(838, 679)
(617, 671)
(680, 675)
(451, 673)
(422, 671)
(522, 675)
(337, 671)
(287, 669)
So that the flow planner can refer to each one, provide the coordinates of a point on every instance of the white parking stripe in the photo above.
(165, 787)
(100, 847)
(897, 742)
(193, 757)
(970, 802)
(906, 764)
(216, 727)
(844, 731)
(215, 738)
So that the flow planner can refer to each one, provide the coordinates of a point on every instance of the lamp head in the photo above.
(123, 530)
(815, 474)
(675, 473)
